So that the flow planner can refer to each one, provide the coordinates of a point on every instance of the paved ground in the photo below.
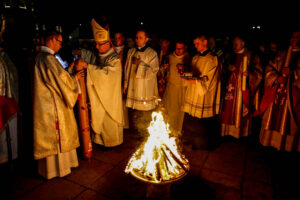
(236, 169)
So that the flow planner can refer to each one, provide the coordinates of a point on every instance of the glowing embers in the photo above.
(158, 160)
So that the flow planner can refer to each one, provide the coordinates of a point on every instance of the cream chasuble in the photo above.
(55, 94)
(105, 95)
(175, 92)
(54, 125)
(202, 100)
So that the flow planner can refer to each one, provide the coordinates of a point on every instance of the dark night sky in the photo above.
(170, 20)
(183, 20)
(161, 17)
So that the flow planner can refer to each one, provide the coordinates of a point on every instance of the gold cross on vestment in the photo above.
(230, 87)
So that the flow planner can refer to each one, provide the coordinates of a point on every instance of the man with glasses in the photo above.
(104, 90)
(55, 131)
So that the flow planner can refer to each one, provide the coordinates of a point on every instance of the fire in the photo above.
(158, 160)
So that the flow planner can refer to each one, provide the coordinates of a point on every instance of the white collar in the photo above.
(241, 51)
(47, 49)
(109, 51)
(121, 47)
(178, 56)
(141, 47)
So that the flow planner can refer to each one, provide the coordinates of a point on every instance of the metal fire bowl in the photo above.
(146, 180)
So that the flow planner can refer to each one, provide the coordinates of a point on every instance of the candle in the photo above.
(244, 69)
(288, 57)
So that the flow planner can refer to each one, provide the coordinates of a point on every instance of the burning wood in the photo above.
(158, 160)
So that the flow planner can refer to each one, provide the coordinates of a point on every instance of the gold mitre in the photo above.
(100, 33)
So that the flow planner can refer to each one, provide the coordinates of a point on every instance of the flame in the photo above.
(158, 160)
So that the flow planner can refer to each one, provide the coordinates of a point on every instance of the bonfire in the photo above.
(158, 159)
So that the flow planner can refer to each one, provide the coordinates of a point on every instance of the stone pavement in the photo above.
(235, 170)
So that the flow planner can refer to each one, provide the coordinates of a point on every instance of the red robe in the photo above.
(235, 114)
(280, 110)
(8, 92)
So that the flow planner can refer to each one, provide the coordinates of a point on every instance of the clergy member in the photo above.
(55, 130)
(9, 93)
(281, 101)
(140, 82)
(202, 98)
(104, 90)
(175, 91)
(122, 49)
(241, 89)
(163, 61)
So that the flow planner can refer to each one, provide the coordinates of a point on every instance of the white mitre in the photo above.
(100, 34)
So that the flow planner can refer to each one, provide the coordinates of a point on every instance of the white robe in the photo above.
(175, 91)
(58, 165)
(105, 95)
(141, 81)
(12, 124)
(120, 50)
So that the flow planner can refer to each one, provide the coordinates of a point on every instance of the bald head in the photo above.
(238, 44)
(295, 40)
(165, 44)
(141, 38)
(119, 39)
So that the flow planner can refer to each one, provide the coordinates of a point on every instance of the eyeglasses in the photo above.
(103, 43)
(59, 41)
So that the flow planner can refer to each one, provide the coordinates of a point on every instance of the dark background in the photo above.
(161, 18)
(185, 19)
(28, 19)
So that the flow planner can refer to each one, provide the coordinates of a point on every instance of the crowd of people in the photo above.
(211, 94)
